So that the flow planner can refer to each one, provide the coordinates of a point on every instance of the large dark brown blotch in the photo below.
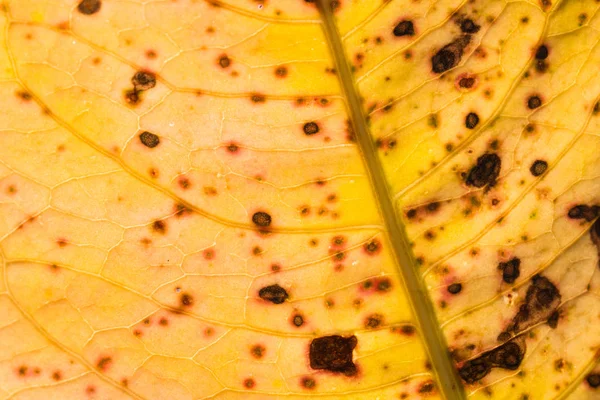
(507, 356)
(541, 301)
(333, 353)
(450, 55)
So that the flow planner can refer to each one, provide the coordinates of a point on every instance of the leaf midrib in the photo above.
(433, 337)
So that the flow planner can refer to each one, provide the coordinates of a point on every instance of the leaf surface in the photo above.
(260, 199)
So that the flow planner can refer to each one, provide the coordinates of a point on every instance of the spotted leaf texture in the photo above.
(282, 199)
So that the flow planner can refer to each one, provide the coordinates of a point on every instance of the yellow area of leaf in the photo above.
(134, 271)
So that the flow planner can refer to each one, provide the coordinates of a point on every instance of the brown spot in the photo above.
(22, 371)
(224, 61)
(25, 96)
(454, 288)
(593, 380)
(372, 247)
(534, 102)
(249, 383)
(450, 55)
(404, 28)
(273, 293)
(582, 211)
(57, 375)
(159, 227)
(510, 270)
(258, 351)
(471, 120)
(485, 171)
(308, 383)
(552, 321)
(507, 356)
(186, 300)
(132, 97)
(103, 363)
(149, 139)
(297, 320)
(89, 7)
(62, 242)
(143, 80)
(151, 54)
(538, 167)
(427, 387)
(333, 353)
(311, 128)
(261, 219)
(468, 26)
(258, 98)
(374, 321)
(281, 72)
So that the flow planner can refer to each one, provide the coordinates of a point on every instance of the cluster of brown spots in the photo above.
(258, 351)
(454, 288)
(471, 120)
(297, 320)
(427, 209)
(485, 172)
(310, 128)
(583, 211)
(104, 363)
(540, 303)
(186, 300)
(308, 383)
(541, 65)
(333, 353)
(159, 227)
(538, 167)
(376, 284)
(261, 219)
(593, 380)
(373, 321)
(249, 383)
(149, 139)
(450, 55)
(89, 7)
(510, 269)
(468, 26)
(404, 28)
(273, 293)
(507, 356)
(281, 71)
(534, 102)
(142, 81)
(224, 61)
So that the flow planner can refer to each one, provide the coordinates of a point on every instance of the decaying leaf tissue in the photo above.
(284, 199)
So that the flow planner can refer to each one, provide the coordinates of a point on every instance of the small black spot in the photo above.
(541, 53)
(149, 139)
(510, 270)
(333, 353)
(261, 219)
(450, 55)
(404, 28)
(485, 171)
(311, 128)
(89, 7)
(143, 80)
(593, 380)
(454, 288)
(472, 120)
(583, 211)
(468, 26)
(534, 102)
(273, 293)
(538, 167)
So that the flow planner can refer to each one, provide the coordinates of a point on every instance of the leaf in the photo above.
(257, 199)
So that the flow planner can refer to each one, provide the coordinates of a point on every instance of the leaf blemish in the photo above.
(333, 353)
(510, 270)
(404, 28)
(485, 172)
(583, 211)
(143, 80)
(149, 139)
(450, 55)
(89, 7)
(273, 293)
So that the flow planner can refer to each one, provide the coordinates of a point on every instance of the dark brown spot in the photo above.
(132, 97)
(466, 82)
(258, 351)
(552, 321)
(384, 285)
(583, 211)
(450, 55)
(534, 102)
(427, 387)
(311, 128)
(374, 321)
(25, 96)
(404, 28)
(22, 371)
(273, 293)
(149, 139)
(186, 300)
(507, 356)
(485, 171)
(281, 72)
(455, 288)
(468, 26)
(297, 320)
(103, 363)
(333, 353)
(538, 167)
(308, 383)
(57, 375)
(372, 246)
(224, 61)
(143, 80)
(541, 53)
(510, 270)
(472, 120)
(159, 227)
(261, 219)
(249, 383)
(593, 380)
(258, 98)
(89, 7)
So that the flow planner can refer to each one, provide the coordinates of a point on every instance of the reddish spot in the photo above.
(184, 183)
(153, 172)
(145, 242)
(159, 227)
(147, 321)
(163, 321)
(372, 247)
(338, 241)
(137, 333)
(104, 363)
(62, 242)
(338, 267)
(275, 267)
(37, 371)
(233, 148)
(407, 330)
(208, 332)
(90, 390)
(258, 351)
(305, 211)
(320, 182)
(181, 210)
(125, 382)
(22, 370)
(151, 54)
(249, 383)
(208, 254)
(63, 26)
(57, 375)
